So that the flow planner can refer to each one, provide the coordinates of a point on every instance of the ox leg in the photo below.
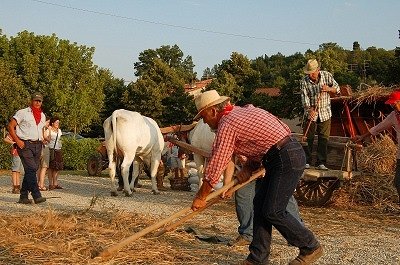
(135, 174)
(112, 165)
(126, 163)
(199, 160)
(154, 163)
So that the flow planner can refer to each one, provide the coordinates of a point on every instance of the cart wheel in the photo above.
(316, 193)
(94, 165)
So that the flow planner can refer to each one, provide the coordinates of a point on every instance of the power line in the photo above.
(172, 25)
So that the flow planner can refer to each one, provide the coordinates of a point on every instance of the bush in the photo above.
(5, 156)
(75, 153)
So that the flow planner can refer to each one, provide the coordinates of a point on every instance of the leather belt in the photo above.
(33, 142)
(281, 143)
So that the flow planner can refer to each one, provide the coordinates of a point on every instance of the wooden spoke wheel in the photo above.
(316, 192)
(95, 165)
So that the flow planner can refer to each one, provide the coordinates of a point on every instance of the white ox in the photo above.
(201, 137)
(134, 137)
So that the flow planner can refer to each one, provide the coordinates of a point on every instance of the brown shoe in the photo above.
(307, 258)
(162, 188)
(24, 201)
(239, 241)
(39, 200)
(245, 262)
(52, 187)
(16, 189)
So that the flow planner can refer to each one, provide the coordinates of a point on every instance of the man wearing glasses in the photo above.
(26, 128)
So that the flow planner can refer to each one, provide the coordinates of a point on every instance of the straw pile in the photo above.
(374, 186)
(371, 94)
(378, 157)
(59, 237)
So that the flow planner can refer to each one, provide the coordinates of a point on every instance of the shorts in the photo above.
(16, 165)
(45, 157)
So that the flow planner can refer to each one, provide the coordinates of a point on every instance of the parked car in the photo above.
(72, 135)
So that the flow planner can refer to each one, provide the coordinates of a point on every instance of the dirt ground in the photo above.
(81, 220)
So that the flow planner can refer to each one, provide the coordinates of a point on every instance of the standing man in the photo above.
(26, 128)
(315, 89)
(264, 140)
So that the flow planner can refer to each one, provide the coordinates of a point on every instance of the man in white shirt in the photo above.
(26, 128)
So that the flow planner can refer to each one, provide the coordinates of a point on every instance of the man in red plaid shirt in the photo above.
(264, 140)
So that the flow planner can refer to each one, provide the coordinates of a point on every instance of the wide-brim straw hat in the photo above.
(311, 66)
(208, 99)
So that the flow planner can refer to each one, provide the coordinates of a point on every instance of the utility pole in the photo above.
(352, 67)
(364, 70)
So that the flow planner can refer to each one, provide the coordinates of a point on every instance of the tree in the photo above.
(180, 108)
(171, 56)
(147, 95)
(246, 78)
(13, 94)
(63, 72)
(226, 85)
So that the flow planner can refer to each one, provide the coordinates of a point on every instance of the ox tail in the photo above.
(114, 131)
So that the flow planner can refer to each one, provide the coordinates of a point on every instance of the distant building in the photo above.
(195, 88)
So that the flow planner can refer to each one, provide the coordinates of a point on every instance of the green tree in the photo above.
(226, 85)
(379, 66)
(171, 56)
(246, 78)
(148, 93)
(14, 95)
(63, 72)
(180, 108)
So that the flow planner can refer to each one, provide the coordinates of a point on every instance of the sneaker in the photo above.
(239, 241)
(307, 166)
(39, 200)
(307, 258)
(322, 167)
(24, 201)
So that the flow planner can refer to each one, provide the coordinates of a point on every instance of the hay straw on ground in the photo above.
(59, 237)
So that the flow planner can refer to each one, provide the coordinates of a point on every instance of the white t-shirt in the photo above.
(27, 129)
(53, 136)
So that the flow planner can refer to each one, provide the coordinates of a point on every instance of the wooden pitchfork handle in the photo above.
(108, 251)
(211, 202)
(304, 137)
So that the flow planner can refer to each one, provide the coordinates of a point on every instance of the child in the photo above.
(16, 167)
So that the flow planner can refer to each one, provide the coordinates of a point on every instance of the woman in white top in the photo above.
(56, 163)
(45, 157)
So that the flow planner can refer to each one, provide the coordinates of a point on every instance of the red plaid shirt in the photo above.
(247, 131)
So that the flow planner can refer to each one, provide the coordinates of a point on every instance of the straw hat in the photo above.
(311, 67)
(207, 99)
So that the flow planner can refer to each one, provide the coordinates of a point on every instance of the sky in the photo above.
(207, 30)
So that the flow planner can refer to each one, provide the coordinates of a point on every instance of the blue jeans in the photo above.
(30, 158)
(244, 208)
(284, 168)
